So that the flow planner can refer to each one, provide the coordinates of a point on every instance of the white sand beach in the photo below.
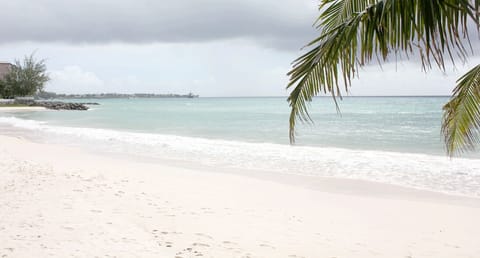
(60, 201)
(20, 108)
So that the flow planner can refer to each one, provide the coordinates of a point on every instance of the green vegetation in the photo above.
(353, 32)
(53, 95)
(461, 120)
(24, 78)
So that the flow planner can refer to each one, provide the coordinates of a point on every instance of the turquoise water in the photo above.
(405, 124)
(393, 140)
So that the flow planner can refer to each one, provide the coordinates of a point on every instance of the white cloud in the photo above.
(72, 79)
(236, 67)
(407, 78)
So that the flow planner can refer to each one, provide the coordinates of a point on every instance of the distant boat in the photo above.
(191, 95)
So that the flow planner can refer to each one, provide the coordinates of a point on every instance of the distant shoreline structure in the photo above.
(53, 95)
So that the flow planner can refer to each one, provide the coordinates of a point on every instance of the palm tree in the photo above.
(353, 32)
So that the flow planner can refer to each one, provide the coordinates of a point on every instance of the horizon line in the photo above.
(269, 96)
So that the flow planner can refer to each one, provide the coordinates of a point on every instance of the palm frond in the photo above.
(353, 32)
(335, 12)
(461, 118)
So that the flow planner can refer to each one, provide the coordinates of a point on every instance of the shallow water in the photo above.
(384, 139)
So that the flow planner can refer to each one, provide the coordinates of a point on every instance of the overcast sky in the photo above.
(209, 47)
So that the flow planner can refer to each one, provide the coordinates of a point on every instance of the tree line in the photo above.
(24, 78)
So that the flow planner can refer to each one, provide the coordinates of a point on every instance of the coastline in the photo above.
(61, 201)
(423, 171)
(26, 108)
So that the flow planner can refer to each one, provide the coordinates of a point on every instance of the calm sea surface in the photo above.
(387, 139)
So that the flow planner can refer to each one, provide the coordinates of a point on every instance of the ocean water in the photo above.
(393, 140)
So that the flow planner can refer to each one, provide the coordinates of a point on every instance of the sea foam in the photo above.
(457, 176)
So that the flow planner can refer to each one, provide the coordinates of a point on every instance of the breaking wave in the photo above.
(436, 173)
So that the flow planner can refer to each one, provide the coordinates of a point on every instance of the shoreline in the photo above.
(312, 181)
(336, 185)
(62, 201)
(25, 108)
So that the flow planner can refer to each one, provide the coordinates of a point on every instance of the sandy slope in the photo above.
(14, 109)
(63, 202)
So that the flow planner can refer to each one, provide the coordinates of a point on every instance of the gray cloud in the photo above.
(277, 24)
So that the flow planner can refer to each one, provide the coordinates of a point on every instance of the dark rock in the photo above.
(58, 105)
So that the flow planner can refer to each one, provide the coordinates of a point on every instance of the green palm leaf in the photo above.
(353, 32)
(461, 120)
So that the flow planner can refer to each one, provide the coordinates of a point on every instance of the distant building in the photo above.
(4, 68)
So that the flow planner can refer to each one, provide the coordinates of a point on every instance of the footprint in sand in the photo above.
(267, 245)
(232, 246)
(189, 252)
(159, 236)
(201, 245)
(203, 235)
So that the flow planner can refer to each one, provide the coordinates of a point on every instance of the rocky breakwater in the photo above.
(58, 105)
